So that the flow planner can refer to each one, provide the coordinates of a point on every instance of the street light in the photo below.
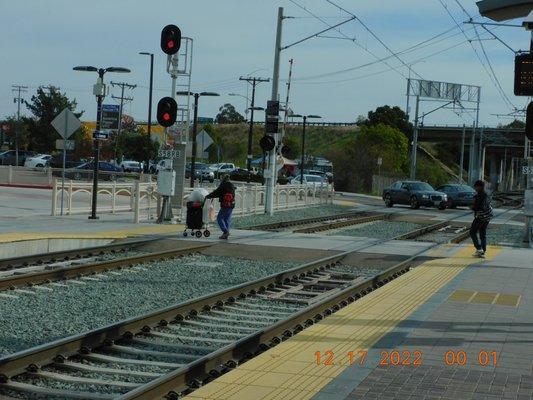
(195, 126)
(149, 127)
(99, 90)
(305, 117)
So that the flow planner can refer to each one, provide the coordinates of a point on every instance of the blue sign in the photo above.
(99, 135)
(110, 116)
(111, 107)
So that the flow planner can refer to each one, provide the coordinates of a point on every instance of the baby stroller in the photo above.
(197, 215)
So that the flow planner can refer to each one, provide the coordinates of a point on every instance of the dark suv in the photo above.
(9, 157)
(415, 194)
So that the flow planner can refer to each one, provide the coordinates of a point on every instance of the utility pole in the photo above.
(414, 148)
(272, 173)
(254, 81)
(122, 86)
(18, 89)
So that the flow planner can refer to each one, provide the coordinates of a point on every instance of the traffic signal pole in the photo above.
(271, 176)
(194, 130)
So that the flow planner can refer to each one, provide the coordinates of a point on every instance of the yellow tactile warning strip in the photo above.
(289, 371)
(116, 234)
(470, 296)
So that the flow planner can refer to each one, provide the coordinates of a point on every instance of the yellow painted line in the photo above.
(113, 234)
(484, 298)
(289, 370)
(463, 296)
(511, 300)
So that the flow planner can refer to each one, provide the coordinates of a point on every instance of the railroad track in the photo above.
(91, 268)
(76, 255)
(174, 350)
(342, 222)
(309, 221)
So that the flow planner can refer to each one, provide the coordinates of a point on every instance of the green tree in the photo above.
(387, 115)
(228, 115)
(45, 106)
(355, 161)
(516, 124)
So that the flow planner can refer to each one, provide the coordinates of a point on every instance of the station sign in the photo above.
(110, 116)
(100, 135)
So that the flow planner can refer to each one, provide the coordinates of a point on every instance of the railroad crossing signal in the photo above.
(167, 111)
(267, 143)
(170, 39)
(272, 117)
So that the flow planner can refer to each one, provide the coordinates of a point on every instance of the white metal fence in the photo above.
(142, 198)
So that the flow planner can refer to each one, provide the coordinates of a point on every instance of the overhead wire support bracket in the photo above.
(492, 33)
(318, 33)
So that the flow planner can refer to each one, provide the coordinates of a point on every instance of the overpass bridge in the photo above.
(493, 152)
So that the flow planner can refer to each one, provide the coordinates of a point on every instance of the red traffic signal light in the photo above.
(167, 111)
(170, 39)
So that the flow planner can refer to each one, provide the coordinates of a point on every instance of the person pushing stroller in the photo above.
(226, 195)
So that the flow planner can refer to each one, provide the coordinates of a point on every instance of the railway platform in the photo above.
(454, 327)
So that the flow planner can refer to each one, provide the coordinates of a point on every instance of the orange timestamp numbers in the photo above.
(404, 358)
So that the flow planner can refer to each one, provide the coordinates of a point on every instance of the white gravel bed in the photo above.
(377, 229)
(32, 317)
(288, 215)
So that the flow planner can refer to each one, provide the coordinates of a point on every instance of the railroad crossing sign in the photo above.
(66, 123)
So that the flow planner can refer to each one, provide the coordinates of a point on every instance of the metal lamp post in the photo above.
(195, 126)
(302, 161)
(149, 126)
(99, 90)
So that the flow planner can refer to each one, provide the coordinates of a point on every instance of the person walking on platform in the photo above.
(226, 195)
(482, 216)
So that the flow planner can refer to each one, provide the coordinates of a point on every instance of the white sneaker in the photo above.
(477, 253)
(481, 254)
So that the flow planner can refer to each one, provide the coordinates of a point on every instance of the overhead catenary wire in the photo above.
(488, 72)
(353, 40)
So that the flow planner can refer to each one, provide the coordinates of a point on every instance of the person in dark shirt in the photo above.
(226, 195)
(482, 216)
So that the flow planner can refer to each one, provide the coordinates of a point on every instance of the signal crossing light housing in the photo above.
(529, 121)
(167, 111)
(272, 117)
(267, 143)
(170, 39)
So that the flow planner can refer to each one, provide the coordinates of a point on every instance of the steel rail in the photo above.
(341, 224)
(305, 221)
(74, 271)
(11, 263)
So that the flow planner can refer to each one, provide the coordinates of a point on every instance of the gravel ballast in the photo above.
(47, 312)
(279, 216)
(378, 229)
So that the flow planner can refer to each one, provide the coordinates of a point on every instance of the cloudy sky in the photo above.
(42, 40)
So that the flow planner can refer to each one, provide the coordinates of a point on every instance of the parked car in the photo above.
(131, 166)
(38, 161)
(160, 165)
(9, 157)
(107, 171)
(224, 168)
(57, 162)
(188, 171)
(204, 172)
(415, 194)
(458, 195)
(309, 179)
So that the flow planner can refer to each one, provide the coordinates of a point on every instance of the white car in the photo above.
(313, 180)
(163, 165)
(38, 161)
(225, 168)
(131, 166)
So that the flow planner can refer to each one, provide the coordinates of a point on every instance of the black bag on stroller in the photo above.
(194, 219)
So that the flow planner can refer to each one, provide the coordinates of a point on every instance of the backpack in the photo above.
(227, 200)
